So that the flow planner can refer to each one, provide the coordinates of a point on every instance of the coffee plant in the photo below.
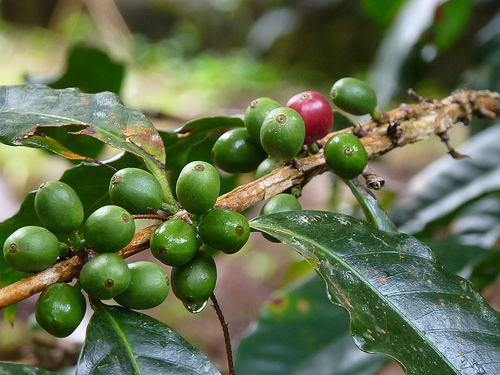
(71, 237)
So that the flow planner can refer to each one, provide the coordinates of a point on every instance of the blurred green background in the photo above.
(186, 59)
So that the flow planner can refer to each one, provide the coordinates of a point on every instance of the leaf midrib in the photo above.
(123, 339)
(363, 280)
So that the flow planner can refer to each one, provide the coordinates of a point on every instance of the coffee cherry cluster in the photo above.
(272, 137)
(177, 243)
(274, 134)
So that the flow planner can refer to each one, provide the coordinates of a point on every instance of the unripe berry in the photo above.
(31, 249)
(198, 187)
(255, 115)
(109, 229)
(281, 203)
(195, 281)
(345, 155)
(267, 166)
(148, 286)
(174, 242)
(354, 96)
(135, 190)
(316, 112)
(225, 230)
(60, 309)
(236, 152)
(282, 133)
(105, 276)
(58, 207)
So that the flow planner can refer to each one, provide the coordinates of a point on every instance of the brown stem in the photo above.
(227, 339)
(416, 122)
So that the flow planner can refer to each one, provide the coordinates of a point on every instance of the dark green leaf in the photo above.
(181, 141)
(91, 70)
(26, 111)
(121, 341)
(7, 368)
(447, 185)
(451, 20)
(381, 12)
(486, 270)
(456, 256)
(205, 124)
(300, 331)
(400, 301)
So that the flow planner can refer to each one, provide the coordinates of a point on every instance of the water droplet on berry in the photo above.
(195, 307)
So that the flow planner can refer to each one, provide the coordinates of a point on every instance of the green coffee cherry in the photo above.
(198, 187)
(354, 96)
(31, 249)
(225, 230)
(267, 166)
(345, 155)
(195, 281)
(280, 203)
(109, 229)
(174, 242)
(60, 309)
(236, 152)
(58, 207)
(135, 190)
(148, 286)
(105, 276)
(256, 113)
(282, 133)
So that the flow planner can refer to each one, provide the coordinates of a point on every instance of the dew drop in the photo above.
(195, 307)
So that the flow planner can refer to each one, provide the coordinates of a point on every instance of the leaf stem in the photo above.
(374, 213)
(227, 339)
(160, 175)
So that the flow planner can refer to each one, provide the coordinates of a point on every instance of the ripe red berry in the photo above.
(316, 112)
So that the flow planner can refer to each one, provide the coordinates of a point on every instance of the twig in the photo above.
(227, 339)
(417, 122)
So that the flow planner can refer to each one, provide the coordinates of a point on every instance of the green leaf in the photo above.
(299, 331)
(381, 12)
(451, 19)
(91, 70)
(447, 185)
(121, 341)
(181, 141)
(7, 368)
(27, 109)
(400, 301)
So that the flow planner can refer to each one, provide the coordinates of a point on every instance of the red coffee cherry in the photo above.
(316, 112)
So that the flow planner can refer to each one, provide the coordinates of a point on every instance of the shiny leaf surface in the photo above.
(121, 341)
(26, 110)
(7, 368)
(299, 331)
(400, 301)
